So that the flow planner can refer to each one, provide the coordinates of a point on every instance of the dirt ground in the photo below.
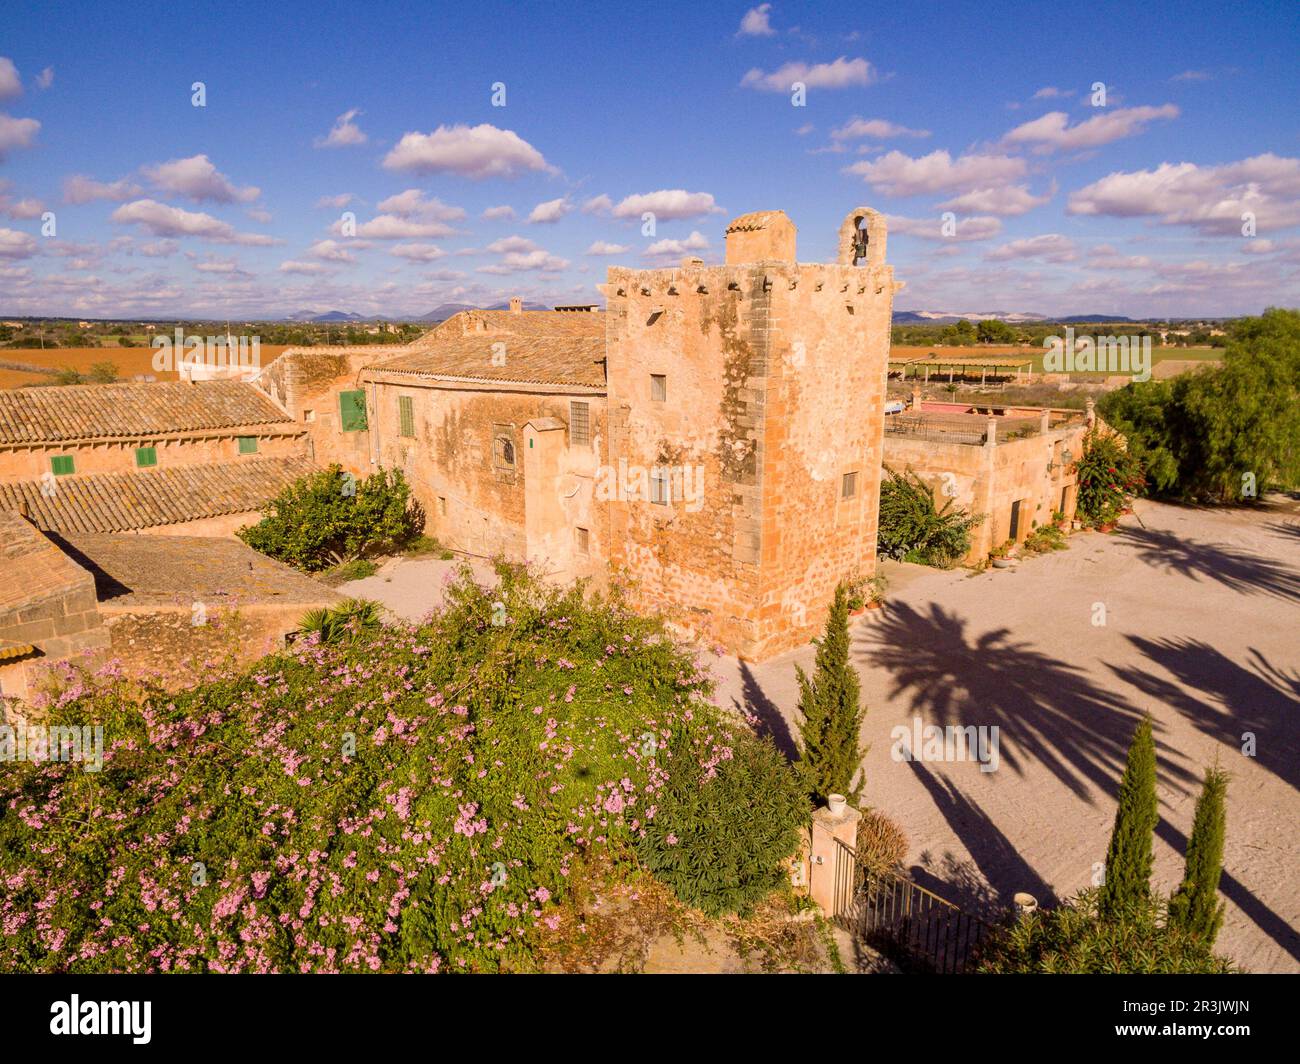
(1202, 615)
(1201, 618)
(129, 361)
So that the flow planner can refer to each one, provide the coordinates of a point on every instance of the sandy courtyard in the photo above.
(1202, 629)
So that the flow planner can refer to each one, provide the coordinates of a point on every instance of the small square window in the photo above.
(145, 457)
(658, 387)
(583, 537)
(309, 415)
(405, 415)
(849, 486)
(661, 486)
(248, 445)
(580, 424)
(61, 465)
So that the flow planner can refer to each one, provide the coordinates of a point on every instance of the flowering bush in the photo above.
(1109, 475)
(415, 799)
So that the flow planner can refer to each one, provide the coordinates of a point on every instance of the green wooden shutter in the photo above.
(146, 456)
(406, 415)
(61, 465)
(352, 410)
(248, 445)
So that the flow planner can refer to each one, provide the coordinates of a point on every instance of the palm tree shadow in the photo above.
(1227, 700)
(1235, 569)
(1046, 710)
(999, 870)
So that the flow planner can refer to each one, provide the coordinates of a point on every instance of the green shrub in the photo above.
(1128, 856)
(1073, 939)
(913, 529)
(1109, 475)
(1045, 539)
(330, 517)
(881, 844)
(356, 569)
(726, 827)
(350, 619)
(1195, 905)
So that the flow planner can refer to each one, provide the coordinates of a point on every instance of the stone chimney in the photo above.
(762, 236)
(516, 305)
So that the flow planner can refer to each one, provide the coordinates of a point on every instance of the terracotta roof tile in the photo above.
(119, 502)
(507, 358)
(127, 411)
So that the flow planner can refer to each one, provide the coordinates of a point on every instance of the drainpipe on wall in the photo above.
(373, 430)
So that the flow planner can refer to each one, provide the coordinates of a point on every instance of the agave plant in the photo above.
(346, 620)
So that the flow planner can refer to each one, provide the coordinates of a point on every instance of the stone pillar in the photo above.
(1044, 421)
(991, 433)
(1090, 413)
(827, 829)
(916, 399)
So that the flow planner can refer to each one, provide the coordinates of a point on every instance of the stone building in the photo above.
(1012, 464)
(714, 437)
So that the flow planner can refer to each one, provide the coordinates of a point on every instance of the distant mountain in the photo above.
(446, 310)
(329, 316)
(945, 317)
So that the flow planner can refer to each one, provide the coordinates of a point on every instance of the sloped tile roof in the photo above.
(578, 324)
(127, 411)
(120, 502)
(506, 358)
(32, 568)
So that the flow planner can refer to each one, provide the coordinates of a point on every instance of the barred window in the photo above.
(849, 486)
(580, 424)
(503, 447)
(658, 387)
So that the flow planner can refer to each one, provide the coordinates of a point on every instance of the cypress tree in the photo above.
(830, 705)
(1195, 905)
(1127, 888)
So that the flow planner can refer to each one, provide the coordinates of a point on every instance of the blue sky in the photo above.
(1057, 201)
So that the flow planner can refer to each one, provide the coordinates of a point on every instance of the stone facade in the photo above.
(1008, 463)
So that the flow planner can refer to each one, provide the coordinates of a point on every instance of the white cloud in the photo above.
(197, 179)
(503, 213)
(977, 227)
(16, 133)
(1050, 247)
(896, 174)
(601, 204)
(697, 241)
(16, 245)
(603, 247)
(303, 267)
(1005, 200)
(161, 219)
(876, 128)
(756, 22)
(332, 251)
(81, 189)
(476, 152)
(259, 215)
(45, 78)
(344, 133)
(393, 227)
(666, 204)
(840, 74)
(1052, 132)
(11, 85)
(1050, 92)
(336, 203)
(159, 249)
(522, 261)
(412, 204)
(418, 252)
(511, 244)
(21, 209)
(1209, 199)
(1193, 75)
(551, 211)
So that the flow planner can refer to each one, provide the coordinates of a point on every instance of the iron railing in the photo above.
(902, 918)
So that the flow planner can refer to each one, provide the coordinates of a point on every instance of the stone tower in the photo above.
(746, 412)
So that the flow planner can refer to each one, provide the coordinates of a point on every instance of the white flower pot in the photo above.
(836, 803)
(1025, 903)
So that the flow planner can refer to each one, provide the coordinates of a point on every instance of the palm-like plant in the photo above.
(345, 621)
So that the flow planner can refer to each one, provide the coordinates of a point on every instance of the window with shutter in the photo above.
(146, 456)
(580, 424)
(405, 415)
(61, 465)
(352, 410)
